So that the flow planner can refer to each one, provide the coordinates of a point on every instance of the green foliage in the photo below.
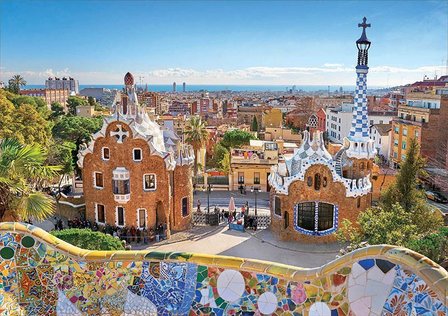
(76, 129)
(57, 110)
(38, 103)
(197, 136)
(15, 83)
(91, 101)
(225, 163)
(73, 102)
(22, 169)
(22, 121)
(88, 239)
(219, 151)
(434, 246)
(405, 189)
(236, 138)
(63, 155)
(254, 125)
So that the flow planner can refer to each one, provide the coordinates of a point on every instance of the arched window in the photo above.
(324, 182)
(277, 206)
(361, 166)
(317, 181)
(286, 219)
(309, 181)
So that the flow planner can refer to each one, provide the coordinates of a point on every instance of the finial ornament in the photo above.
(364, 25)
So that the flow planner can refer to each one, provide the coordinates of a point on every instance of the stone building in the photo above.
(134, 172)
(313, 191)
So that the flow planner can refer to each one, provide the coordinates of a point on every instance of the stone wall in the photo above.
(41, 275)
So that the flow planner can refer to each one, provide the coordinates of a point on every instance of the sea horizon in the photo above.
(217, 88)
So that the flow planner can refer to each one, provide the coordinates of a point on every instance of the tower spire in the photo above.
(359, 143)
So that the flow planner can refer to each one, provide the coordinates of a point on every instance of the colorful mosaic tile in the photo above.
(36, 278)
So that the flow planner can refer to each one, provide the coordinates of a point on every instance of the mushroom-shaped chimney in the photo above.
(129, 79)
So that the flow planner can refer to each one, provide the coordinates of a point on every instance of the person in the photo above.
(151, 235)
(199, 206)
(132, 232)
(138, 234)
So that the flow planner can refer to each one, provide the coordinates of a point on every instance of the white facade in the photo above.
(381, 136)
(339, 121)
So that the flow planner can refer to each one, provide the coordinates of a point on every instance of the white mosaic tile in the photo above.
(267, 303)
(230, 285)
(319, 309)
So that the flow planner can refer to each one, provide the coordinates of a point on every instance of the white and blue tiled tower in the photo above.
(358, 143)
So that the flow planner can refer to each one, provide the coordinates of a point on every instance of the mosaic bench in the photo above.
(42, 275)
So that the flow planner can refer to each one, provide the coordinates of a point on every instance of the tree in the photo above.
(219, 151)
(254, 126)
(38, 103)
(88, 239)
(197, 136)
(236, 138)
(22, 169)
(15, 83)
(91, 101)
(73, 102)
(225, 163)
(22, 122)
(434, 246)
(405, 190)
(76, 129)
(57, 110)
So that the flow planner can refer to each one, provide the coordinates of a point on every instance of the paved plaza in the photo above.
(261, 245)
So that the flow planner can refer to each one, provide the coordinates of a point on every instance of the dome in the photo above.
(129, 79)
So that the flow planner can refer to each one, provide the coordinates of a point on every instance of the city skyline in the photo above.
(268, 43)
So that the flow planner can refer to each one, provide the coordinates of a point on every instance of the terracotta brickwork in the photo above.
(157, 202)
(357, 168)
(183, 188)
(299, 191)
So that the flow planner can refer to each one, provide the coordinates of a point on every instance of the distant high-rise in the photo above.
(183, 87)
(62, 84)
(174, 87)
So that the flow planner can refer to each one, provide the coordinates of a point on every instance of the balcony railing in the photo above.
(122, 198)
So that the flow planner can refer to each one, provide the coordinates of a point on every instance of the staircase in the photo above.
(338, 158)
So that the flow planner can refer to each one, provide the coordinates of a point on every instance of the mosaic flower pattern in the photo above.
(38, 279)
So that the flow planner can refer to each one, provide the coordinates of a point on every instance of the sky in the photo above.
(221, 42)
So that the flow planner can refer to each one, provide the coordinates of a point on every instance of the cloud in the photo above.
(327, 74)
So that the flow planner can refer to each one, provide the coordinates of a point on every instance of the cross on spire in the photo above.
(364, 25)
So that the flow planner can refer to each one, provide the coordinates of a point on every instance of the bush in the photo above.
(88, 239)
(434, 246)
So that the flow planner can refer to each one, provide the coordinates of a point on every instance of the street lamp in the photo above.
(209, 189)
(255, 190)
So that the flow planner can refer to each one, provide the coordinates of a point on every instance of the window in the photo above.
(141, 218)
(405, 131)
(396, 129)
(121, 186)
(185, 207)
(256, 178)
(325, 216)
(286, 220)
(403, 157)
(149, 182)
(137, 153)
(99, 180)
(305, 215)
(381, 121)
(120, 216)
(240, 177)
(106, 153)
(316, 181)
(277, 206)
(403, 145)
(396, 142)
(100, 213)
(324, 182)
(358, 202)
(395, 155)
(316, 218)
(309, 181)
(361, 166)
(371, 122)
(423, 120)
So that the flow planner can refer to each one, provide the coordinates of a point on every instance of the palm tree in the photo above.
(197, 136)
(22, 170)
(16, 82)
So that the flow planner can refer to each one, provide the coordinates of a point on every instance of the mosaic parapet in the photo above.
(41, 274)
